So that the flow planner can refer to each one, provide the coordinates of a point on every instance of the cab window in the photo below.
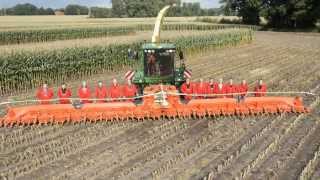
(159, 62)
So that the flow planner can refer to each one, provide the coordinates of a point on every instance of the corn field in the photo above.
(195, 27)
(29, 36)
(18, 37)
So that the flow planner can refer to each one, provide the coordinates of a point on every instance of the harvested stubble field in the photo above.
(266, 147)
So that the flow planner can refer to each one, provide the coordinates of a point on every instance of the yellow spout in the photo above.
(158, 24)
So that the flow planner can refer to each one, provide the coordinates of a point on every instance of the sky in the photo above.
(102, 3)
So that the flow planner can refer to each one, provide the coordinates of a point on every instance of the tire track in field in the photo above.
(35, 157)
(160, 167)
(275, 146)
(129, 155)
(221, 168)
(87, 154)
(227, 65)
(296, 164)
(149, 162)
(316, 173)
(32, 138)
(81, 160)
(76, 168)
(157, 154)
(214, 59)
(242, 143)
(276, 159)
(244, 67)
(214, 147)
(238, 53)
(303, 154)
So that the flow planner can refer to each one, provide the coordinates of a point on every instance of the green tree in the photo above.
(190, 9)
(227, 7)
(27, 9)
(98, 12)
(2, 12)
(119, 8)
(280, 13)
(139, 8)
(48, 11)
(292, 14)
(249, 10)
(23, 9)
(73, 9)
(210, 12)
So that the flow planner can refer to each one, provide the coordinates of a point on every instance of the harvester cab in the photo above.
(158, 64)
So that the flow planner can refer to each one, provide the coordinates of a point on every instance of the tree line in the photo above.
(120, 8)
(279, 13)
(30, 9)
(26, 9)
(150, 8)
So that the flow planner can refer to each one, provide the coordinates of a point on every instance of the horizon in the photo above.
(205, 4)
